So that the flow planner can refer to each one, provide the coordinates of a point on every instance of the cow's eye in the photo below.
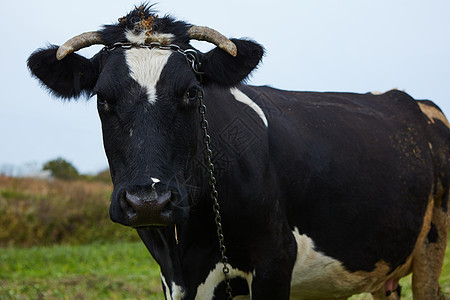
(192, 94)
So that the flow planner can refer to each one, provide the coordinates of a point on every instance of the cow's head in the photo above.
(147, 99)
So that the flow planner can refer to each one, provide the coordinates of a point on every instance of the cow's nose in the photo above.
(144, 208)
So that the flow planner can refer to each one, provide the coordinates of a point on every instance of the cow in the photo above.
(251, 192)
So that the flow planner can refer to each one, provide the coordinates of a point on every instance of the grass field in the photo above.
(100, 271)
(110, 271)
(43, 213)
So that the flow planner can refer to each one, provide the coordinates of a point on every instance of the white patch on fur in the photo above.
(166, 288)
(433, 113)
(206, 289)
(146, 66)
(155, 180)
(243, 98)
(177, 291)
(316, 275)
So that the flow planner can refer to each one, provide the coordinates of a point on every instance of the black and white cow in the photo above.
(322, 195)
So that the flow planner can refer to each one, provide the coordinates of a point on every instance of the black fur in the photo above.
(222, 69)
(69, 78)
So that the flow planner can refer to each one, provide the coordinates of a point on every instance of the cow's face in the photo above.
(147, 100)
(149, 133)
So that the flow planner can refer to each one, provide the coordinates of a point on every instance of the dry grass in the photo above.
(39, 212)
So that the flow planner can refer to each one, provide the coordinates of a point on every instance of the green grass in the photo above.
(107, 271)
(102, 271)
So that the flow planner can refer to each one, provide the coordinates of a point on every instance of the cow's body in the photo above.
(322, 195)
(341, 184)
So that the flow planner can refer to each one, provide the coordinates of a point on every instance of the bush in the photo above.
(103, 176)
(61, 169)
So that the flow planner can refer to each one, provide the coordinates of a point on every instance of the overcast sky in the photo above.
(315, 45)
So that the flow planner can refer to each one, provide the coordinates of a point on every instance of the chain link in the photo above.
(193, 61)
(214, 195)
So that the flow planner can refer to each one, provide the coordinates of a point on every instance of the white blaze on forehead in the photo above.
(146, 66)
(243, 98)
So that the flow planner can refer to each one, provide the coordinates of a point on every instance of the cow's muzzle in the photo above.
(145, 206)
(143, 209)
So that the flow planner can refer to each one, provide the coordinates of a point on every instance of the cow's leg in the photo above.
(272, 279)
(271, 284)
(429, 256)
(273, 272)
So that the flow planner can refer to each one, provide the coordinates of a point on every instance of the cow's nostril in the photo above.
(126, 207)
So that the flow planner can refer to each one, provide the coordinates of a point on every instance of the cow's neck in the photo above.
(179, 262)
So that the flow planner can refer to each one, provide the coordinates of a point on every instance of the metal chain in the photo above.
(214, 195)
(194, 62)
(190, 54)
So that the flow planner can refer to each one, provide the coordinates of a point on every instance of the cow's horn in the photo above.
(203, 33)
(78, 42)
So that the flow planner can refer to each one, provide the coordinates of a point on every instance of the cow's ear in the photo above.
(223, 69)
(68, 78)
